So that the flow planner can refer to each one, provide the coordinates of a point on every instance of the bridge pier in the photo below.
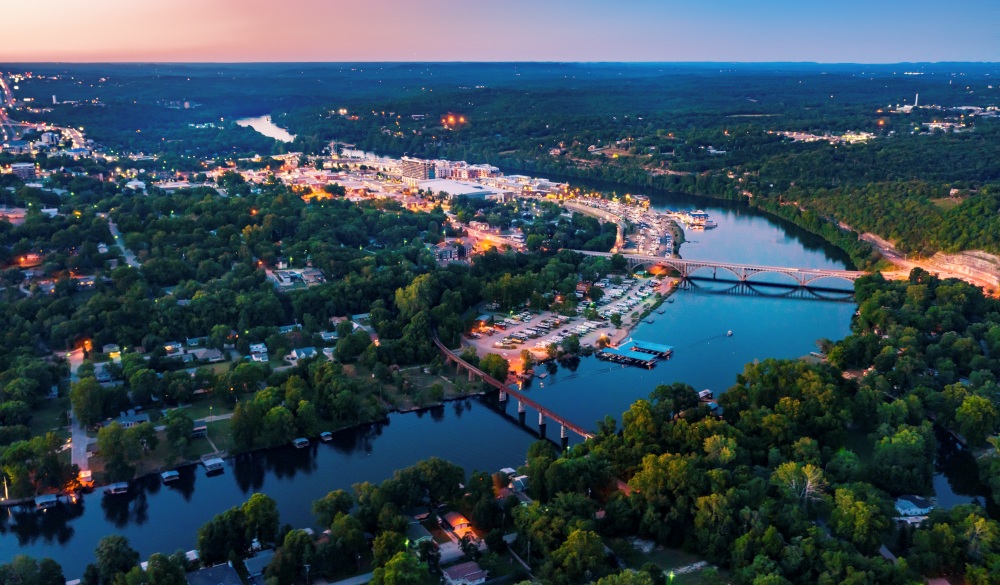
(541, 419)
(563, 437)
(472, 376)
(503, 396)
(520, 407)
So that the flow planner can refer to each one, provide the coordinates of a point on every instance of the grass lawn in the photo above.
(219, 433)
(51, 417)
(215, 405)
(667, 559)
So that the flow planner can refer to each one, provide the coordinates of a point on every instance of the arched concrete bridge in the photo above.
(742, 272)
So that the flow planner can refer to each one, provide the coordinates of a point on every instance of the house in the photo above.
(456, 521)
(468, 573)
(286, 329)
(258, 348)
(302, 353)
(913, 506)
(328, 335)
(212, 356)
(129, 419)
(102, 373)
(109, 348)
(173, 347)
(255, 566)
(519, 483)
(416, 533)
(217, 575)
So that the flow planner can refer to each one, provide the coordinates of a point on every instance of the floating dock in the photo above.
(636, 353)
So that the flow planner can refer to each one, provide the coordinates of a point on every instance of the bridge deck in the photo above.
(503, 388)
(736, 268)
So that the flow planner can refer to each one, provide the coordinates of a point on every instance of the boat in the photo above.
(46, 501)
(326, 436)
(729, 333)
(670, 300)
(213, 465)
(709, 224)
(114, 489)
(301, 443)
(169, 476)
(649, 320)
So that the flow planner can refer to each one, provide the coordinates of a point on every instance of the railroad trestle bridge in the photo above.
(523, 402)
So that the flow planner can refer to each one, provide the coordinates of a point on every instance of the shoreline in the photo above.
(98, 485)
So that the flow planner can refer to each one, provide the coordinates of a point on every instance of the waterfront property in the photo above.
(169, 476)
(213, 465)
(223, 574)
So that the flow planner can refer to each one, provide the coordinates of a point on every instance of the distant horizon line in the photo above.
(532, 62)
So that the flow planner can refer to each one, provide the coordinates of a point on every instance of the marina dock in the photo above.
(635, 352)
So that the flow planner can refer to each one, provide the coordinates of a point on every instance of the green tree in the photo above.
(162, 570)
(402, 569)
(262, 520)
(387, 545)
(495, 366)
(87, 397)
(578, 560)
(333, 504)
(179, 427)
(977, 419)
(114, 556)
(861, 516)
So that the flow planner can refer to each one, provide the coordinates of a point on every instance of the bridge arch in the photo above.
(693, 270)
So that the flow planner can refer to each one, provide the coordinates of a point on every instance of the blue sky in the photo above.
(509, 30)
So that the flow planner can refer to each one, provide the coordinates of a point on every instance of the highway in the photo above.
(6, 101)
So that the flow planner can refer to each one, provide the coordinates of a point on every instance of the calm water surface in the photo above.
(766, 322)
(265, 126)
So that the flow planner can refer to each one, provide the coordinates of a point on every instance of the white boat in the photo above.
(729, 333)
(114, 489)
(213, 465)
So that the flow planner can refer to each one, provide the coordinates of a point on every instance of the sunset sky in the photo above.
(509, 30)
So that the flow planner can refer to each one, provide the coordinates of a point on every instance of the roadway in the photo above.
(130, 258)
(79, 441)
(6, 101)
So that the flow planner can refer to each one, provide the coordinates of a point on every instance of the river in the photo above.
(265, 126)
(471, 432)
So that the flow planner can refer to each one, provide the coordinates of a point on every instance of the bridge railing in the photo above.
(504, 388)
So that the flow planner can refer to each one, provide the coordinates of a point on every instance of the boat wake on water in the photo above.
(706, 340)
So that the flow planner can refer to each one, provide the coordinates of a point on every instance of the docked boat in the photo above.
(326, 436)
(213, 465)
(169, 476)
(301, 443)
(118, 488)
(46, 501)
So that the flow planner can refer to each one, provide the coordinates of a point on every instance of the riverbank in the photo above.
(667, 289)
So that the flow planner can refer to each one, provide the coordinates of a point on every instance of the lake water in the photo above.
(766, 322)
(265, 126)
